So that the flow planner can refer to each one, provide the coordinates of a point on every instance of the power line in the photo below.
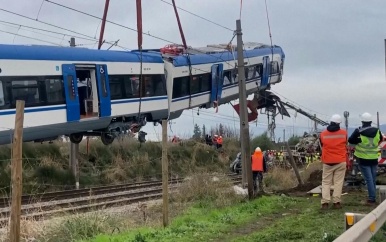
(132, 29)
(108, 21)
(16, 34)
(55, 26)
(222, 26)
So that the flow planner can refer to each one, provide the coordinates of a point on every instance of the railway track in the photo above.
(83, 200)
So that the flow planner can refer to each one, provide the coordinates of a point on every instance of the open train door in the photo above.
(266, 71)
(71, 92)
(217, 83)
(103, 91)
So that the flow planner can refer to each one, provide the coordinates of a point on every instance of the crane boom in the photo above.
(308, 115)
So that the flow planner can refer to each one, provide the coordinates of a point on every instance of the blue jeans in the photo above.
(370, 175)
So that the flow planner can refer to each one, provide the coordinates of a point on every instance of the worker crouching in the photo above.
(333, 141)
(259, 165)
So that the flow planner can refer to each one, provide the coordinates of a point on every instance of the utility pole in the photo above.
(244, 126)
(315, 124)
(16, 167)
(165, 173)
(283, 135)
(72, 42)
(378, 120)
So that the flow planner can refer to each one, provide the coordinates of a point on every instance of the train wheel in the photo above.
(107, 138)
(76, 138)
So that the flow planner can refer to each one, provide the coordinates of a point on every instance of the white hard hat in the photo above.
(215, 135)
(258, 149)
(366, 117)
(336, 118)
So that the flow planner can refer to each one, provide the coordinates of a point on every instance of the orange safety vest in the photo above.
(334, 146)
(219, 141)
(257, 161)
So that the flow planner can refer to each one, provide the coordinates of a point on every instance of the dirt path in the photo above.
(259, 223)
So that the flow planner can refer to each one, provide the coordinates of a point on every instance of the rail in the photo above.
(367, 226)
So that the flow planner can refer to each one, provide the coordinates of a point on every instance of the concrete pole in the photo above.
(244, 126)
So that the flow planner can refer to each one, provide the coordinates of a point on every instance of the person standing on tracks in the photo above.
(334, 155)
(259, 165)
(366, 140)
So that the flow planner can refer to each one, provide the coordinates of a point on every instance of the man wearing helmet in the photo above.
(334, 156)
(258, 167)
(366, 140)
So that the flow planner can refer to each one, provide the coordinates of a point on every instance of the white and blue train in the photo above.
(81, 92)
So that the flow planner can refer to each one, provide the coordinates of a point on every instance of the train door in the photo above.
(92, 91)
(103, 91)
(71, 92)
(217, 82)
(266, 71)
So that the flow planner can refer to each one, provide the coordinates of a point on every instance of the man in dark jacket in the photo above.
(366, 140)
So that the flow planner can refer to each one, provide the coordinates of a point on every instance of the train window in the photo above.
(132, 86)
(159, 82)
(274, 67)
(54, 91)
(181, 87)
(205, 82)
(71, 88)
(250, 72)
(2, 101)
(195, 84)
(103, 83)
(235, 76)
(227, 78)
(259, 70)
(116, 90)
(26, 90)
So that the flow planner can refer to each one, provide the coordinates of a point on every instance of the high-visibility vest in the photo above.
(219, 141)
(257, 161)
(334, 146)
(368, 148)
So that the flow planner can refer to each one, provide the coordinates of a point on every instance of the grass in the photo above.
(45, 166)
(269, 218)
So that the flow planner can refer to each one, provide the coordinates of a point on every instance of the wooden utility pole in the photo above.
(293, 164)
(315, 124)
(244, 125)
(74, 162)
(165, 173)
(16, 167)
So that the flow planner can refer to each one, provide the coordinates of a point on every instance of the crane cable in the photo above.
(270, 36)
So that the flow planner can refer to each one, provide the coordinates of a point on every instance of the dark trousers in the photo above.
(257, 177)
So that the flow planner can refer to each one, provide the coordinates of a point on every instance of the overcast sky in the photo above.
(334, 50)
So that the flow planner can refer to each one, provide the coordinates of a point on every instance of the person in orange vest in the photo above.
(334, 155)
(259, 165)
(219, 142)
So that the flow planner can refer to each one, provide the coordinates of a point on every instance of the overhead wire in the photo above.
(20, 35)
(55, 26)
(222, 26)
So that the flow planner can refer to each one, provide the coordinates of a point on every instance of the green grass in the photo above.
(202, 222)
(272, 218)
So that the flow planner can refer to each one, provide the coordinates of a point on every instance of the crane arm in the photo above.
(308, 115)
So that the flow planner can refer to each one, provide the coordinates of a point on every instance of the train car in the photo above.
(79, 91)
(214, 75)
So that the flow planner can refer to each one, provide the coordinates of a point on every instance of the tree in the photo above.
(293, 140)
(203, 131)
(221, 129)
(196, 132)
(263, 142)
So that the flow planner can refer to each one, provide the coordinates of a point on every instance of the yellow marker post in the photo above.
(373, 226)
(350, 218)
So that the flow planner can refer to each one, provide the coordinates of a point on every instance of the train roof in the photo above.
(219, 53)
(43, 52)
